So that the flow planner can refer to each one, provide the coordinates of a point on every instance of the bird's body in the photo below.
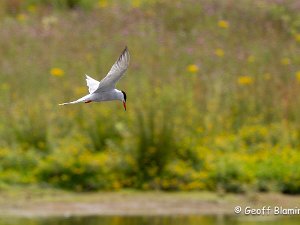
(105, 90)
(110, 95)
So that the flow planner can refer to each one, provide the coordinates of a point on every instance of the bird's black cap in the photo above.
(124, 94)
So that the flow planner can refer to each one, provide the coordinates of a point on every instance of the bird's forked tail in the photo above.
(67, 103)
(83, 99)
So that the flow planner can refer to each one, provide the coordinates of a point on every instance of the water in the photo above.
(155, 220)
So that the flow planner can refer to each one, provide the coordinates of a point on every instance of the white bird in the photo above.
(105, 90)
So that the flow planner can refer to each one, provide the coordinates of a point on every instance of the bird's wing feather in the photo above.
(92, 84)
(115, 73)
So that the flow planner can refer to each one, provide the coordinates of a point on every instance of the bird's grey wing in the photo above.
(92, 84)
(115, 73)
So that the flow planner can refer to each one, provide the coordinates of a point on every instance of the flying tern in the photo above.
(105, 90)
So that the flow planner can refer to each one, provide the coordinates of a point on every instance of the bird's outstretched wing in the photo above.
(92, 84)
(115, 73)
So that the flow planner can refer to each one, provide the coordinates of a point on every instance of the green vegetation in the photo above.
(213, 95)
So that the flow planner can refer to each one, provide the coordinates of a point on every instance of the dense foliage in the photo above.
(213, 95)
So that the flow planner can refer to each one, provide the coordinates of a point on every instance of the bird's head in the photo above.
(124, 99)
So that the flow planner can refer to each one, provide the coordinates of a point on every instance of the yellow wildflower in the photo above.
(192, 68)
(245, 80)
(223, 24)
(31, 8)
(285, 61)
(116, 185)
(49, 21)
(102, 3)
(4, 86)
(136, 3)
(298, 76)
(250, 59)
(41, 144)
(21, 17)
(219, 52)
(64, 177)
(267, 76)
(77, 170)
(297, 37)
(145, 186)
(199, 129)
(57, 72)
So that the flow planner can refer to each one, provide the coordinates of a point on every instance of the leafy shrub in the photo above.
(155, 145)
(28, 128)
(16, 165)
(229, 175)
(77, 168)
(102, 133)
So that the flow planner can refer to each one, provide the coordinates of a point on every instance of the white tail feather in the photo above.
(67, 103)
(83, 99)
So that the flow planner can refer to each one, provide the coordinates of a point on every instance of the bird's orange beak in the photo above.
(124, 104)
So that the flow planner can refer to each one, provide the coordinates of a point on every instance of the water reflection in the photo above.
(154, 220)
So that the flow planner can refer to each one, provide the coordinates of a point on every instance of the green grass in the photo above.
(210, 106)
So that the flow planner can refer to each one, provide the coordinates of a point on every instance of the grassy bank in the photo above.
(213, 96)
(37, 202)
